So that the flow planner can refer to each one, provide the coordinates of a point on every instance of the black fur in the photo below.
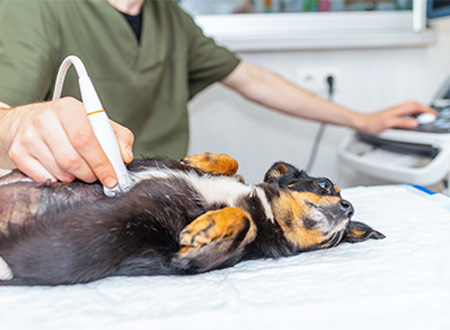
(79, 235)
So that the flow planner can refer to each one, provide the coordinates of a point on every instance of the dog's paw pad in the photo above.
(198, 234)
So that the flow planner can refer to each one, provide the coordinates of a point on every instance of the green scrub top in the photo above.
(145, 86)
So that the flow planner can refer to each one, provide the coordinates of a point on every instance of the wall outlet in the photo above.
(314, 80)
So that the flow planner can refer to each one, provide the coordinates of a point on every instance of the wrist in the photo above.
(8, 127)
(11, 119)
(358, 121)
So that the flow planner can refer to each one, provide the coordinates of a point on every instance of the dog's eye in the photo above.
(325, 184)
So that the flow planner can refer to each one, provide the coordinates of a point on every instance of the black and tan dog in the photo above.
(180, 218)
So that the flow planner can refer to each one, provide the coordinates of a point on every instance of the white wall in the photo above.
(368, 80)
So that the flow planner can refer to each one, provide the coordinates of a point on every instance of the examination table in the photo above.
(401, 282)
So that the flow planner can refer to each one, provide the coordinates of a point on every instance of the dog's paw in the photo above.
(213, 226)
(214, 239)
(213, 163)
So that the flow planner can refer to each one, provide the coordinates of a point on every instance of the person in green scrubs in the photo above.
(147, 59)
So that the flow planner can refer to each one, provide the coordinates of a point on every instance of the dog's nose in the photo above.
(346, 208)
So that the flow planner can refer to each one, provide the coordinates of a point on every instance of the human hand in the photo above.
(398, 116)
(54, 140)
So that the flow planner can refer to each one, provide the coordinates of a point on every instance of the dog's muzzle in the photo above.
(346, 208)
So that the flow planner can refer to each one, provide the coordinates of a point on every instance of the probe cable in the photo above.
(320, 132)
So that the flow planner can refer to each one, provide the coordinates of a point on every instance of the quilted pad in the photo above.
(401, 282)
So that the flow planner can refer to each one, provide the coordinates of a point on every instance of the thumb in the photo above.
(125, 139)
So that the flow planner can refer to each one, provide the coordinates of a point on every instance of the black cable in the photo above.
(320, 132)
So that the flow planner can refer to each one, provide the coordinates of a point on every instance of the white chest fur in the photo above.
(226, 190)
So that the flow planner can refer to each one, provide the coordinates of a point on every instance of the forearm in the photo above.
(270, 90)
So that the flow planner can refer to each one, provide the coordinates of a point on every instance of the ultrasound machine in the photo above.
(419, 156)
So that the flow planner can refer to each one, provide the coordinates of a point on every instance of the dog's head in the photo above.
(311, 211)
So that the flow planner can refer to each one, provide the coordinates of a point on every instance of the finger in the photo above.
(29, 165)
(125, 138)
(33, 168)
(62, 159)
(30, 145)
(76, 124)
(412, 108)
(403, 122)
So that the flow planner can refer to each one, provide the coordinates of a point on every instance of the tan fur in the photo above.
(215, 225)
(278, 172)
(213, 163)
(289, 210)
(17, 213)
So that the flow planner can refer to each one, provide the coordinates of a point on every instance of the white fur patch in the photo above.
(151, 174)
(214, 189)
(224, 191)
(322, 222)
(5, 271)
(267, 208)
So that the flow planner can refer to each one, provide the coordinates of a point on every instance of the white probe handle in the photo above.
(105, 135)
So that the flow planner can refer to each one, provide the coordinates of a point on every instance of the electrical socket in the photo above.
(314, 80)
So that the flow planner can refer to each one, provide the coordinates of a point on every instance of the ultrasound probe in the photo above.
(99, 121)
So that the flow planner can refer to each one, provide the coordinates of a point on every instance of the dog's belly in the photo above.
(22, 199)
(25, 199)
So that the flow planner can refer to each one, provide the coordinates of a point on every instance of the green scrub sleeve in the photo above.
(208, 62)
(27, 52)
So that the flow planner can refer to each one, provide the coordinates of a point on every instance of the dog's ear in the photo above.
(359, 232)
(281, 169)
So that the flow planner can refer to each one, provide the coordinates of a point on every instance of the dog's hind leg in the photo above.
(214, 240)
(213, 163)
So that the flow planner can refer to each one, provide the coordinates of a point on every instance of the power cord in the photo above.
(330, 82)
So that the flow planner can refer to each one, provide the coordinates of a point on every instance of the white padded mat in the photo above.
(401, 282)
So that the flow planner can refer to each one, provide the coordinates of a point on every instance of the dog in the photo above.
(181, 217)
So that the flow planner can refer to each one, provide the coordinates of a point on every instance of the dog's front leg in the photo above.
(215, 239)
(213, 163)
